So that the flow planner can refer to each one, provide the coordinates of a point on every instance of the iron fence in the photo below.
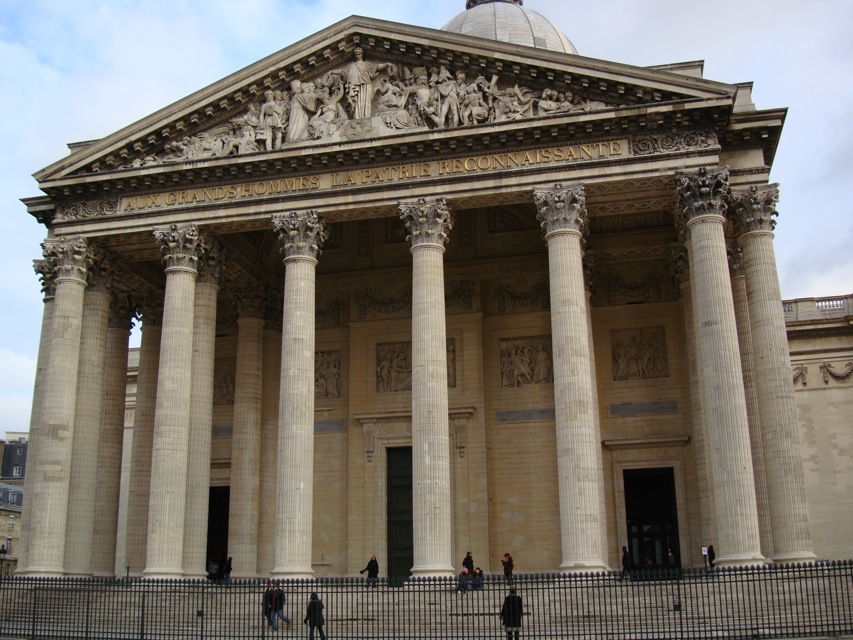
(781, 601)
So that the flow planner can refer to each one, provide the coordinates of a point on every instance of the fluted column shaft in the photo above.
(752, 413)
(271, 377)
(428, 225)
(246, 439)
(50, 468)
(562, 213)
(792, 541)
(721, 380)
(301, 237)
(201, 424)
(139, 481)
(167, 504)
(44, 270)
(107, 495)
(80, 530)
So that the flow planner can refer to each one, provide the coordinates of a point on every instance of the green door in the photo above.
(401, 555)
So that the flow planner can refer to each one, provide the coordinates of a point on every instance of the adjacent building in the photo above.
(413, 292)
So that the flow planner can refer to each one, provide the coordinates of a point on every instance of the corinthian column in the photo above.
(44, 269)
(702, 201)
(792, 541)
(167, 504)
(80, 528)
(150, 308)
(210, 264)
(49, 469)
(301, 236)
(562, 214)
(428, 225)
(246, 441)
(107, 495)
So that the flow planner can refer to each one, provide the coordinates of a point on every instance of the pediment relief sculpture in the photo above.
(366, 99)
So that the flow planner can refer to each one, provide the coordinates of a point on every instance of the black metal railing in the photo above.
(783, 601)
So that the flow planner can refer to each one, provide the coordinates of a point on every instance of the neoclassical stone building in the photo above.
(412, 292)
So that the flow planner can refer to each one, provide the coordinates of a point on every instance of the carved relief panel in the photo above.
(394, 366)
(224, 378)
(327, 374)
(526, 361)
(639, 354)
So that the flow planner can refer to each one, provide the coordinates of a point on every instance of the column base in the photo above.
(292, 573)
(41, 572)
(743, 560)
(437, 571)
(583, 566)
(793, 556)
(163, 574)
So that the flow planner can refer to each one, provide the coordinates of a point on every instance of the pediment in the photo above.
(317, 98)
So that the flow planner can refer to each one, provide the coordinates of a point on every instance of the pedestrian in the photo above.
(468, 562)
(477, 579)
(314, 616)
(274, 599)
(626, 562)
(227, 570)
(508, 567)
(463, 582)
(511, 613)
(372, 569)
(711, 555)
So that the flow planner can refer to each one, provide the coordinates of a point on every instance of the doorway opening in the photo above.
(652, 515)
(217, 531)
(400, 521)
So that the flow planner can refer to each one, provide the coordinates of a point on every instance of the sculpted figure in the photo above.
(549, 103)
(359, 76)
(448, 91)
(473, 107)
(269, 126)
(392, 103)
(329, 111)
(303, 104)
(241, 141)
(425, 104)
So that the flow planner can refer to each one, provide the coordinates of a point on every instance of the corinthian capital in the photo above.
(45, 271)
(754, 208)
(211, 260)
(68, 257)
(702, 193)
(104, 270)
(300, 235)
(180, 246)
(562, 209)
(426, 223)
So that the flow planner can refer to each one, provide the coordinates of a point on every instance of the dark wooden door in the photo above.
(401, 554)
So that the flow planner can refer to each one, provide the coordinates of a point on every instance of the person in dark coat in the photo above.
(711, 555)
(314, 616)
(468, 562)
(626, 562)
(511, 613)
(372, 569)
(508, 567)
(477, 579)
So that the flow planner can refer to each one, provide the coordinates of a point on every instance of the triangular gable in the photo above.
(301, 95)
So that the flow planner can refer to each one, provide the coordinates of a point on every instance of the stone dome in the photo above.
(509, 21)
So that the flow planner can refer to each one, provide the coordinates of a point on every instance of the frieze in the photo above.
(394, 366)
(329, 315)
(828, 371)
(224, 380)
(459, 296)
(510, 299)
(526, 361)
(86, 209)
(674, 142)
(373, 300)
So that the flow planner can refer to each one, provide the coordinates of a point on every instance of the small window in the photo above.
(13, 498)
(20, 451)
(17, 471)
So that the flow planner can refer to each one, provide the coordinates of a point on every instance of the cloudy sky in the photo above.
(74, 71)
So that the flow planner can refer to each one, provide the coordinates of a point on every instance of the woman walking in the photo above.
(314, 616)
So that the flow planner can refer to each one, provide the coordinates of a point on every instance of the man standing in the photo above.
(468, 562)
